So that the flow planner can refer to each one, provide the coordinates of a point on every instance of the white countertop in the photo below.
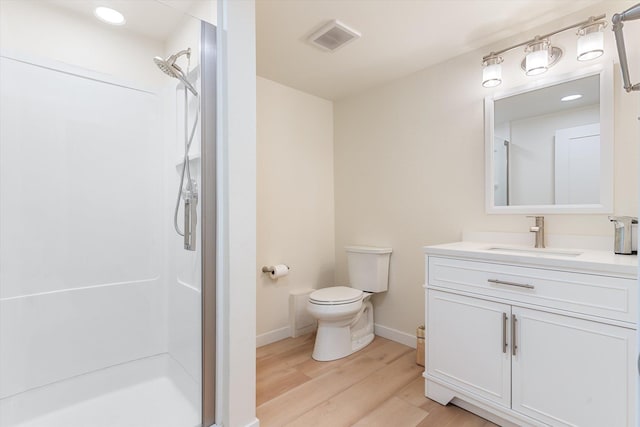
(588, 261)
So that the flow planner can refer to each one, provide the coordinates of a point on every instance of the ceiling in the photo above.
(399, 37)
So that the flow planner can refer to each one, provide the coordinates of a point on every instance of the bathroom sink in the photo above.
(535, 251)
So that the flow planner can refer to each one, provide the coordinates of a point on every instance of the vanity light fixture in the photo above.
(591, 40)
(492, 71)
(110, 16)
(537, 59)
(570, 97)
(541, 55)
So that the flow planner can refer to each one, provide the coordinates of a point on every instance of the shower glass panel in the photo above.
(100, 303)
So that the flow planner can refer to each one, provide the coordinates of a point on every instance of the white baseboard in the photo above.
(382, 331)
(272, 336)
(304, 331)
(395, 335)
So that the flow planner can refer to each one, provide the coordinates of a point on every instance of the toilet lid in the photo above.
(335, 295)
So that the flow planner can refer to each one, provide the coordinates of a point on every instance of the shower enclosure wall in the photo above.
(100, 305)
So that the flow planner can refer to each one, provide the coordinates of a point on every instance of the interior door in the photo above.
(468, 344)
(577, 165)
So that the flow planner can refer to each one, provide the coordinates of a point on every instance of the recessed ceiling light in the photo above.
(571, 97)
(110, 16)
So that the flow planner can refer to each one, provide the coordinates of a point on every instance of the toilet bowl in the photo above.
(345, 323)
(345, 314)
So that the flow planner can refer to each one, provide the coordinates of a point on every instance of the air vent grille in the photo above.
(333, 36)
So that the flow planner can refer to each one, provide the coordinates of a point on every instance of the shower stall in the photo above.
(107, 216)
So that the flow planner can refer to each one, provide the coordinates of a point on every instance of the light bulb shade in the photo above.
(537, 59)
(492, 72)
(590, 42)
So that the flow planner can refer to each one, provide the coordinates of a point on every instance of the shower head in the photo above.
(166, 67)
(170, 68)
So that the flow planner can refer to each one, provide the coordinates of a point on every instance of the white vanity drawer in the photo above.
(602, 296)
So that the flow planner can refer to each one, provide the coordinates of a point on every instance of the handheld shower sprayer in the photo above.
(190, 193)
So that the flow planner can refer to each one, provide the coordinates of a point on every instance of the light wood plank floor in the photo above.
(378, 386)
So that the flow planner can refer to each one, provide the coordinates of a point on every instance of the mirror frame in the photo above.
(605, 71)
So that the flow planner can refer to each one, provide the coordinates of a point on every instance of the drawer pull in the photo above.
(503, 282)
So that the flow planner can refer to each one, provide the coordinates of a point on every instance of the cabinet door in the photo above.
(575, 372)
(466, 344)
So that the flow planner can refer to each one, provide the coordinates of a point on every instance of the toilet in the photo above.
(345, 313)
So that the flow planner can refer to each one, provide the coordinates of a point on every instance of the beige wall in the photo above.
(295, 208)
(409, 164)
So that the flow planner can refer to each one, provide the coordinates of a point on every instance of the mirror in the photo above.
(549, 146)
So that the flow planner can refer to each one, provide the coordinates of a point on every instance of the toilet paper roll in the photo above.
(279, 271)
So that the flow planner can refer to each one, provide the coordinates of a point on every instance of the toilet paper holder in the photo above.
(271, 268)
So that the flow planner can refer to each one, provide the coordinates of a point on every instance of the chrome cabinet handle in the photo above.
(504, 332)
(503, 282)
(514, 346)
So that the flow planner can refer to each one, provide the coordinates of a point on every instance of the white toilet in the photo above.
(345, 314)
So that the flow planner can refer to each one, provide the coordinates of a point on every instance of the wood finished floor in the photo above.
(378, 386)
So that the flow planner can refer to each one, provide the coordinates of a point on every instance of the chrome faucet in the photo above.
(539, 230)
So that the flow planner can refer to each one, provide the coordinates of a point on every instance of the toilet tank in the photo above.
(368, 268)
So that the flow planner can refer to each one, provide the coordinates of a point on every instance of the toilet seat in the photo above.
(335, 295)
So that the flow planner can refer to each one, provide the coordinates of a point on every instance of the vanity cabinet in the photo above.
(531, 345)
(570, 371)
(465, 334)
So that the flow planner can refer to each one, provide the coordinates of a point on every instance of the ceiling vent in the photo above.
(333, 36)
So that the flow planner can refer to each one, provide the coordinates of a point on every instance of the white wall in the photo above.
(236, 133)
(96, 167)
(409, 164)
(183, 268)
(51, 32)
(205, 10)
(81, 276)
(295, 209)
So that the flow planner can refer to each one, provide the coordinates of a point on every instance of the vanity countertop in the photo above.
(588, 261)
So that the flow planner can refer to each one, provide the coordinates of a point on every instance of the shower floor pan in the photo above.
(151, 392)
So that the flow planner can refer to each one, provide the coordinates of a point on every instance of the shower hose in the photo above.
(188, 139)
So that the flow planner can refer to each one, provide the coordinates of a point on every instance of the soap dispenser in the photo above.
(623, 243)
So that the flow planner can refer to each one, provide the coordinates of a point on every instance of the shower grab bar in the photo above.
(630, 14)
